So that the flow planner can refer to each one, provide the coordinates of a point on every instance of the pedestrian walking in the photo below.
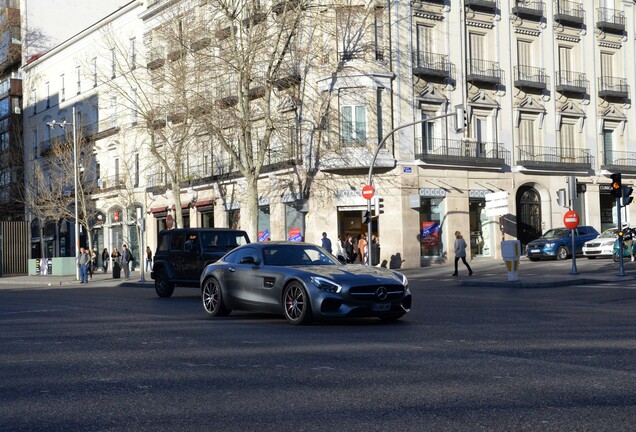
(105, 259)
(83, 262)
(628, 239)
(341, 254)
(350, 250)
(126, 258)
(460, 252)
(148, 258)
(326, 243)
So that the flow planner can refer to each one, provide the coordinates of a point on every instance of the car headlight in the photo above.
(405, 281)
(325, 284)
(550, 245)
(608, 243)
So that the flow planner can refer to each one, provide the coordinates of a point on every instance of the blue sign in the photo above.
(407, 170)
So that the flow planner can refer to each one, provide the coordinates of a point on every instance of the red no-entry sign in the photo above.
(571, 219)
(367, 192)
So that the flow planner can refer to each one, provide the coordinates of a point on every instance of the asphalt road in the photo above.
(464, 359)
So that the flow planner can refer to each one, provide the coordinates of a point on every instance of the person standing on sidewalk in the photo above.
(126, 258)
(628, 239)
(326, 243)
(460, 252)
(148, 258)
(83, 261)
(105, 258)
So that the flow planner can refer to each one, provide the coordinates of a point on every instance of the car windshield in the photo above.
(297, 255)
(555, 233)
(610, 233)
(215, 241)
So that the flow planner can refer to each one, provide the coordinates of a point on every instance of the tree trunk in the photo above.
(251, 214)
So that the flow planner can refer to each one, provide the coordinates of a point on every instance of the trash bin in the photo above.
(511, 252)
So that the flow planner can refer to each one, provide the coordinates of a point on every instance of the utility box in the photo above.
(511, 252)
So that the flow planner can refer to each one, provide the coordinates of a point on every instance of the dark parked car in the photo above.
(557, 243)
(182, 254)
(302, 281)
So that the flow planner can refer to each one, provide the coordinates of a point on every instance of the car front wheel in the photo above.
(163, 286)
(562, 253)
(213, 299)
(296, 305)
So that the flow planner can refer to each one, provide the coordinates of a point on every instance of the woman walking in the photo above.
(460, 252)
(105, 259)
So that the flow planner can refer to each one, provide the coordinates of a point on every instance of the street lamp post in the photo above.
(75, 186)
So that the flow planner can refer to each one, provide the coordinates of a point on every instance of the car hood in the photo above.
(361, 273)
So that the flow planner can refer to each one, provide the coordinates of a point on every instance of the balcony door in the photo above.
(565, 64)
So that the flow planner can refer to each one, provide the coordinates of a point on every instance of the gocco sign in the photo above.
(432, 192)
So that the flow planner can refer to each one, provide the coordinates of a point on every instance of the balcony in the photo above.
(257, 85)
(227, 94)
(528, 9)
(610, 20)
(285, 5)
(613, 88)
(465, 152)
(111, 183)
(287, 76)
(200, 43)
(531, 78)
(572, 83)
(432, 66)
(157, 58)
(484, 72)
(569, 13)
(619, 161)
(489, 6)
(554, 158)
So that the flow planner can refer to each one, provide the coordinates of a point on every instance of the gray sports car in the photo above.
(303, 281)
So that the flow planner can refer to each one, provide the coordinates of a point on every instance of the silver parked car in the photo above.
(301, 281)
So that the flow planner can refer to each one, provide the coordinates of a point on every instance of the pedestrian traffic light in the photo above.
(366, 217)
(379, 206)
(616, 185)
(561, 200)
(627, 195)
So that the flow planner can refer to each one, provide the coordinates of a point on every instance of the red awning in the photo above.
(204, 203)
(159, 209)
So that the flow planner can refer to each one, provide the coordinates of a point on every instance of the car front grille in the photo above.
(377, 292)
(593, 245)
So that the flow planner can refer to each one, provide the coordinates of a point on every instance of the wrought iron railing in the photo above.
(460, 149)
(613, 84)
(531, 74)
(485, 70)
(620, 158)
(554, 155)
(571, 79)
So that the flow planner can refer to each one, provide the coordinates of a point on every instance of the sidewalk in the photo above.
(99, 279)
(544, 274)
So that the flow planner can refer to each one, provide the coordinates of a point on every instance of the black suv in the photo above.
(183, 253)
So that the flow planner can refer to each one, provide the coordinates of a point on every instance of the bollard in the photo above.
(511, 252)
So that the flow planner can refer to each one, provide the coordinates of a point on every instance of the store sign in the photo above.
(477, 193)
(432, 192)
(263, 236)
(294, 235)
(605, 188)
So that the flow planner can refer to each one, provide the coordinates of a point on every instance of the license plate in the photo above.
(534, 251)
(377, 307)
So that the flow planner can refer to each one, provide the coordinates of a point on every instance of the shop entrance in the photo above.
(529, 215)
(350, 223)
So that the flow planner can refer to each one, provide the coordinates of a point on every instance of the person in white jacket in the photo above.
(460, 252)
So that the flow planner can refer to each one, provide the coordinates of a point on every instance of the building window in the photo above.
(34, 133)
(116, 170)
(379, 34)
(133, 108)
(136, 171)
(113, 63)
(113, 111)
(353, 129)
(33, 101)
(133, 54)
(431, 244)
(567, 141)
(62, 88)
(78, 74)
(94, 71)
(48, 94)
(4, 141)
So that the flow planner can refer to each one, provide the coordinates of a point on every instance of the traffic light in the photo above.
(561, 198)
(617, 185)
(461, 118)
(366, 217)
(627, 195)
(379, 206)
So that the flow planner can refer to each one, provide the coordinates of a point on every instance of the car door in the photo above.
(176, 253)
(242, 277)
(192, 264)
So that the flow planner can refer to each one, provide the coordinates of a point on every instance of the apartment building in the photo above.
(546, 86)
(11, 169)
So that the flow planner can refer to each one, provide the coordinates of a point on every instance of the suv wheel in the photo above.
(562, 253)
(163, 286)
